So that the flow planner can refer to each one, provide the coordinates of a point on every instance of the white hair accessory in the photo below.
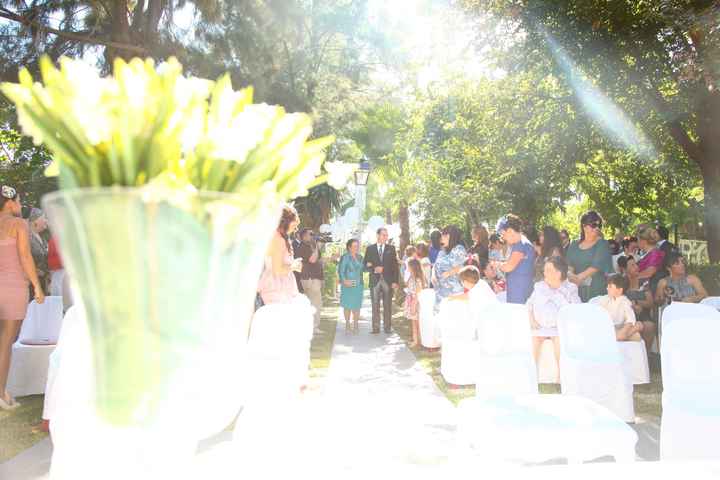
(8, 192)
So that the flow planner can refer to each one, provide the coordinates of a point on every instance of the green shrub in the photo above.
(709, 274)
(330, 279)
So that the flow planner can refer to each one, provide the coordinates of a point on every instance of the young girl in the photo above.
(415, 283)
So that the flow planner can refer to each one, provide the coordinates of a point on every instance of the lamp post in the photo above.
(361, 179)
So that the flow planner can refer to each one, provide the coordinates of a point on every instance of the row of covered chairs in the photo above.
(508, 418)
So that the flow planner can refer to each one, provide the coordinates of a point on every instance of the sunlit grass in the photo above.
(16, 427)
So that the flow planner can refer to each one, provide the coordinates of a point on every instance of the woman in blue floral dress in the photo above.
(450, 260)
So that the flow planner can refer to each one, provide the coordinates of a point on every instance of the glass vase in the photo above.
(168, 285)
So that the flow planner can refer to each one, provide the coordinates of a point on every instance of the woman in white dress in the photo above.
(548, 297)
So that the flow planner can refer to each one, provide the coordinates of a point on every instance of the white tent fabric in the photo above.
(591, 365)
(711, 302)
(31, 352)
(459, 345)
(691, 384)
(429, 330)
(505, 363)
(536, 428)
(279, 348)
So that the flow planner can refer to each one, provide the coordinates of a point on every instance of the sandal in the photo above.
(10, 404)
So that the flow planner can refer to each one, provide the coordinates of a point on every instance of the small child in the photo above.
(409, 254)
(470, 278)
(620, 308)
(491, 276)
(414, 284)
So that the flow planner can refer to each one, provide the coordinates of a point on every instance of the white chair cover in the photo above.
(711, 302)
(502, 297)
(61, 386)
(547, 366)
(590, 362)
(429, 330)
(29, 362)
(459, 345)
(683, 310)
(536, 428)
(279, 348)
(56, 282)
(505, 363)
(635, 359)
(691, 384)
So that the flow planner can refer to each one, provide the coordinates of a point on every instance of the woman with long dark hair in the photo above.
(520, 266)
(277, 283)
(589, 258)
(16, 268)
(449, 262)
(481, 243)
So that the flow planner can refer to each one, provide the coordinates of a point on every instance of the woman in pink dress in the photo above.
(16, 267)
(653, 260)
(277, 282)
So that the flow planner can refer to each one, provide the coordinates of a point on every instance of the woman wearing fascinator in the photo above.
(17, 268)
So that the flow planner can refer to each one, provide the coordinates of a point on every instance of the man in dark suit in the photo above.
(382, 263)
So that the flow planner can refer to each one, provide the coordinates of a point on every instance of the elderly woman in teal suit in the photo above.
(350, 272)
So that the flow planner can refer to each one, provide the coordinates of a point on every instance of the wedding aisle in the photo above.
(377, 409)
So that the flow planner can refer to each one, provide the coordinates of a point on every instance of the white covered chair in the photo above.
(61, 383)
(279, 348)
(711, 302)
(547, 366)
(536, 428)
(429, 331)
(691, 384)
(635, 357)
(591, 365)
(502, 297)
(508, 421)
(31, 352)
(505, 363)
(458, 355)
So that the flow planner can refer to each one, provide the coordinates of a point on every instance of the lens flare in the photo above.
(606, 113)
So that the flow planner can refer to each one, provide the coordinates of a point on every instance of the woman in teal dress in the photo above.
(350, 272)
(589, 258)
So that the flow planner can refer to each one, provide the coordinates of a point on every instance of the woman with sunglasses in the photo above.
(679, 286)
(589, 258)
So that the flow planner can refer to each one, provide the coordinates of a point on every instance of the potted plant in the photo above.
(170, 189)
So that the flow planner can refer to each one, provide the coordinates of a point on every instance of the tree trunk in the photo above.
(709, 146)
(404, 219)
(120, 32)
(388, 216)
